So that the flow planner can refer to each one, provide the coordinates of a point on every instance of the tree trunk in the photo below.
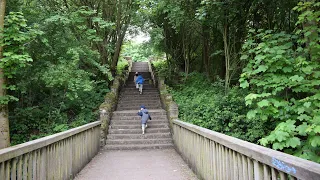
(4, 121)
(116, 54)
(205, 38)
(227, 57)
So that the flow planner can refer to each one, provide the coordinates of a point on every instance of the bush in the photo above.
(204, 104)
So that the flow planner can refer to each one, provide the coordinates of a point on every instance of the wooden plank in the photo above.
(220, 162)
(25, 166)
(19, 168)
(283, 176)
(244, 167)
(223, 159)
(211, 156)
(43, 163)
(214, 159)
(2, 171)
(228, 165)
(235, 165)
(250, 169)
(7, 169)
(232, 176)
(34, 165)
(266, 172)
(38, 164)
(240, 166)
(13, 170)
(30, 166)
(258, 174)
(273, 174)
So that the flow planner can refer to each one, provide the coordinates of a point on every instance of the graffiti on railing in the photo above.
(282, 166)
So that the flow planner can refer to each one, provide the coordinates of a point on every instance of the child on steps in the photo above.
(145, 116)
(140, 81)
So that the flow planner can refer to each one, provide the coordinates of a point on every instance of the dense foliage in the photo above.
(283, 73)
(275, 44)
(205, 104)
(207, 36)
(59, 62)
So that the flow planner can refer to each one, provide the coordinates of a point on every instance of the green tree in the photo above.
(4, 122)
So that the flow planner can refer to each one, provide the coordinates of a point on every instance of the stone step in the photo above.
(136, 89)
(155, 112)
(138, 126)
(135, 114)
(135, 122)
(139, 136)
(148, 95)
(139, 98)
(136, 93)
(132, 85)
(145, 73)
(131, 118)
(134, 96)
(138, 147)
(138, 131)
(140, 141)
(139, 101)
(140, 69)
(147, 80)
(136, 105)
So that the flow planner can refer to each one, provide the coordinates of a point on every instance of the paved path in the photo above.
(160, 164)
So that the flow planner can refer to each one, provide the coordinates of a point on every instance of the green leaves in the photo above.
(293, 142)
(244, 84)
(263, 103)
(16, 36)
(315, 141)
(296, 78)
(284, 67)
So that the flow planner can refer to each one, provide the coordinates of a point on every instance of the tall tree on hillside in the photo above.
(4, 121)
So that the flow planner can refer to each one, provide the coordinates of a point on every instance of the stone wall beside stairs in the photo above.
(166, 98)
(110, 102)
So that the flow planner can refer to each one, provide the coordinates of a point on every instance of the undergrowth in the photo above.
(205, 104)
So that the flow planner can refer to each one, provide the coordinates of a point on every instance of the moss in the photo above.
(110, 97)
(106, 106)
(116, 83)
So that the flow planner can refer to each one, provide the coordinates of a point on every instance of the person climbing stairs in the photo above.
(125, 126)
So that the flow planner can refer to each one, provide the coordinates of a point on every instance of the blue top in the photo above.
(144, 116)
(139, 80)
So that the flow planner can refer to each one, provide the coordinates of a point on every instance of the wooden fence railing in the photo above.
(213, 155)
(59, 156)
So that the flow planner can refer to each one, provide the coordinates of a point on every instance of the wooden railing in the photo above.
(213, 155)
(59, 156)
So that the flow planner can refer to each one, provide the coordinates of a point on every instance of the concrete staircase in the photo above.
(125, 126)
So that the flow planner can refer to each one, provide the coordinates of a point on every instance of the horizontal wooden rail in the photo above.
(213, 155)
(59, 156)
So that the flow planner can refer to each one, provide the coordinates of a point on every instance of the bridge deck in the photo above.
(150, 164)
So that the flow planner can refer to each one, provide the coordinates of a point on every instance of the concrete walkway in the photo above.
(160, 164)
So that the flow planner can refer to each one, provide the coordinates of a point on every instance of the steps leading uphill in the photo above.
(125, 127)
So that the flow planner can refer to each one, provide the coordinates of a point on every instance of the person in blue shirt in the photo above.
(145, 116)
(140, 82)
